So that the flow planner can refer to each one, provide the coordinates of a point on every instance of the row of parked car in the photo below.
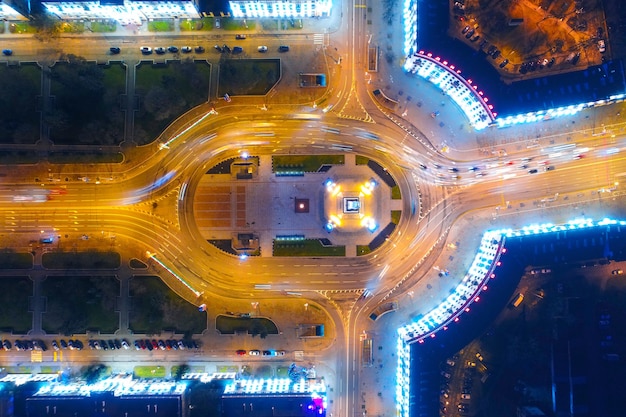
(255, 352)
(101, 344)
(40, 345)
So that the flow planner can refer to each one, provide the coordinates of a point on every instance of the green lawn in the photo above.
(99, 120)
(155, 307)
(305, 163)
(231, 325)
(72, 27)
(12, 260)
(20, 119)
(22, 27)
(361, 160)
(205, 24)
(81, 260)
(78, 304)
(395, 193)
(307, 247)
(248, 77)
(362, 250)
(103, 26)
(166, 92)
(228, 23)
(14, 295)
(395, 216)
(161, 25)
(148, 372)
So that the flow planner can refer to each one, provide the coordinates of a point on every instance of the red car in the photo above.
(241, 352)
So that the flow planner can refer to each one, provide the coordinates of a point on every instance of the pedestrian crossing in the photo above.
(319, 39)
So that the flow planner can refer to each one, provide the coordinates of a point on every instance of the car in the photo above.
(254, 352)
(465, 30)
(93, 344)
(450, 362)
(267, 353)
(155, 344)
(475, 38)
(226, 48)
(125, 345)
(470, 33)
(240, 36)
(112, 344)
(172, 49)
(55, 345)
(445, 374)
(137, 345)
(104, 344)
(160, 50)
(78, 345)
(279, 353)
(601, 46)
(533, 171)
(162, 345)
(617, 272)
(6, 344)
(146, 50)
(7, 52)
(453, 169)
(181, 345)
(262, 48)
(148, 344)
(219, 48)
(495, 54)
(466, 397)
(241, 352)
(503, 63)
(185, 49)
(479, 356)
(115, 50)
(63, 344)
(199, 49)
(551, 62)
(237, 49)
(283, 48)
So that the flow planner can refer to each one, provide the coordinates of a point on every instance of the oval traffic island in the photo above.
(297, 205)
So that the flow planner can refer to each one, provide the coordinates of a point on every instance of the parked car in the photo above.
(254, 352)
(262, 48)
(240, 36)
(185, 49)
(115, 50)
(601, 46)
(219, 48)
(146, 50)
(6, 344)
(617, 272)
(160, 50)
(172, 49)
(199, 49)
(237, 49)
(7, 52)
(283, 48)
(241, 352)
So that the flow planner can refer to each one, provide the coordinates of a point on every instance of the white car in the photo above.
(601, 46)
(185, 49)
(254, 352)
(146, 50)
(262, 48)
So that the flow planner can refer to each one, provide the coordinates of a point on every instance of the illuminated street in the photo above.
(459, 169)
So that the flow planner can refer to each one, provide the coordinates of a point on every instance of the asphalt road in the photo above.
(121, 201)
